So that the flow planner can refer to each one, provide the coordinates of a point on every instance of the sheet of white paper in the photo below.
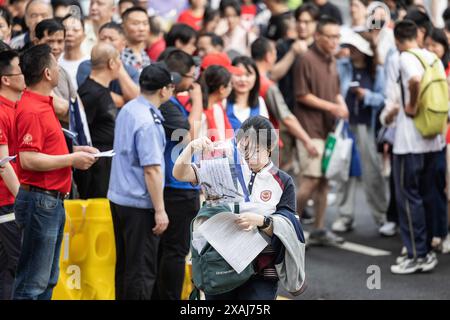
(109, 154)
(238, 247)
(6, 160)
(216, 174)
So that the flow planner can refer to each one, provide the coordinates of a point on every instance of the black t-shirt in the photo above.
(100, 112)
(286, 84)
(174, 118)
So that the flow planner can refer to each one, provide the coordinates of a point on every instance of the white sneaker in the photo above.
(402, 257)
(446, 245)
(388, 229)
(408, 266)
(331, 198)
(429, 263)
(342, 224)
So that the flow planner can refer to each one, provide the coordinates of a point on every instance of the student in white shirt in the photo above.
(419, 163)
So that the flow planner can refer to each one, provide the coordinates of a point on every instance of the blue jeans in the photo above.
(41, 219)
(256, 288)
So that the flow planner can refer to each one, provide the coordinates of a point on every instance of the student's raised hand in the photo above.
(248, 221)
(203, 144)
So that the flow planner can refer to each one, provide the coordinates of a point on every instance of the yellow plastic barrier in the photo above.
(187, 283)
(88, 253)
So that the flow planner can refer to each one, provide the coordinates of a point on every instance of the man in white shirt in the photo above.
(73, 55)
(419, 163)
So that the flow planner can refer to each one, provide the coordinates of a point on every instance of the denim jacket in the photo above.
(373, 98)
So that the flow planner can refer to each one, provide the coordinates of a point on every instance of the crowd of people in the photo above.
(124, 76)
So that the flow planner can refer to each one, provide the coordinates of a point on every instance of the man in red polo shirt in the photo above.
(11, 86)
(45, 176)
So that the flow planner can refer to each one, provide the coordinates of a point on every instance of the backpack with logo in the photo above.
(432, 114)
(210, 272)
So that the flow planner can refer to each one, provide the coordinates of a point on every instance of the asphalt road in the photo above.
(335, 273)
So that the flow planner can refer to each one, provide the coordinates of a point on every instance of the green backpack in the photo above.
(210, 272)
(432, 115)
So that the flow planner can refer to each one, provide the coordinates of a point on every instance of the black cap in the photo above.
(157, 76)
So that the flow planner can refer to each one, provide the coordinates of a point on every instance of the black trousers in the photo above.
(136, 252)
(181, 206)
(10, 242)
(94, 182)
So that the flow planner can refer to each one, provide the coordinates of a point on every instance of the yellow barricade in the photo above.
(88, 253)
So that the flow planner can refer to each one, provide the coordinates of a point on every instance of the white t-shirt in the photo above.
(407, 138)
(244, 113)
(71, 66)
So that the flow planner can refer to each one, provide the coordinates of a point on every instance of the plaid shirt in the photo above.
(128, 57)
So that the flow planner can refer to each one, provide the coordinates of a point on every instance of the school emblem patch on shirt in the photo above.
(27, 139)
(266, 195)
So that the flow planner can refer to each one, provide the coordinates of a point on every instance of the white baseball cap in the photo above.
(356, 40)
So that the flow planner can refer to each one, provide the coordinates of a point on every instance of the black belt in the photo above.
(53, 193)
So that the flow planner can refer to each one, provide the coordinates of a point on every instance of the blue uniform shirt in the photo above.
(139, 141)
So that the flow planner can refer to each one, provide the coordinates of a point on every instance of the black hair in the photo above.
(216, 40)
(4, 46)
(447, 25)
(112, 25)
(65, 3)
(179, 61)
(446, 14)
(439, 36)
(279, 26)
(250, 65)
(324, 21)
(6, 57)
(310, 8)
(421, 19)
(125, 1)
(224, 4)
(259, 48)
(129, 11)
(209, 15)
(405, 30)
(79, 18)
(261, 128)
(34, 61)
(5, 14)
(182, 32)
(212, 79)
(50, 25)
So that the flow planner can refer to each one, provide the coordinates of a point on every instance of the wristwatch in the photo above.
(267, 223)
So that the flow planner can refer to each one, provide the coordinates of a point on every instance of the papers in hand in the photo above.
(217, 181)
(106, 154)
(237, 246)
(6, 160)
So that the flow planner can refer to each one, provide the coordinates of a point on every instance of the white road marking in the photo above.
(359, 248)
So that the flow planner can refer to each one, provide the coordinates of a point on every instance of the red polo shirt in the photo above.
(39, 130)
(7, 112)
